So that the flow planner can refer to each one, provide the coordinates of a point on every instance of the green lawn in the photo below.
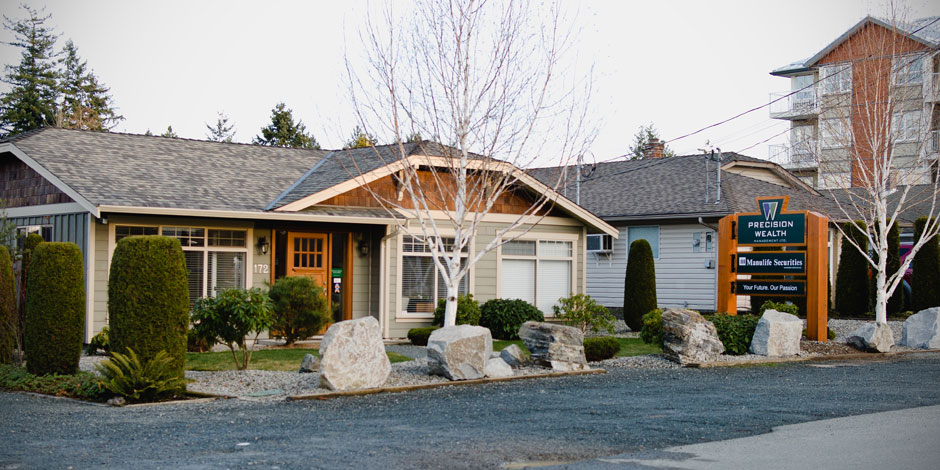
(628, 346)
(264, 359)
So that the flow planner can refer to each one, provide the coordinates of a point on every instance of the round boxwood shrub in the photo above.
(639, 290)
(419, 336)
(925, 280)
(468, 311)
(852, 277)
(504, 317)
(8, 314)
(300, 308)
(652, 331)
(598, 349)
(735, 331)
(55, 309)
(148, 298)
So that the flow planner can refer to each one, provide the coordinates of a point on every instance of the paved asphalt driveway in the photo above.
(550, 420)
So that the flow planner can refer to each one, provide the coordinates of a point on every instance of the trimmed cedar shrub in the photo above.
(734, 331)
(468, 311)
(148, 298)
(55, 309)
(419, 336)
(504, 317)
(852, 277)
(652, 331)
(300, 308)
(32, 241)
(598, 349)
(8, 315)
(639, 290)
(925, 280)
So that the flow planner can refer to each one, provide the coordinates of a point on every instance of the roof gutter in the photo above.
(219, 214)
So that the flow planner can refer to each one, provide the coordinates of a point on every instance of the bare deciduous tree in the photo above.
(488, 80)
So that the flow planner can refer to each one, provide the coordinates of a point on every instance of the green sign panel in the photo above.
(779, 262)
(775, 288)
(772, 226)
(336, 272)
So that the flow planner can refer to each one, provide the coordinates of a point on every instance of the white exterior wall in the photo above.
(681, 276)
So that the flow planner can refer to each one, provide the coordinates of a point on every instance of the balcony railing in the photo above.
(797, 154)
(933, 142)
(932, 88)
(800, 105)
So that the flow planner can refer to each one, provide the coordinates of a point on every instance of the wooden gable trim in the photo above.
(775, 169)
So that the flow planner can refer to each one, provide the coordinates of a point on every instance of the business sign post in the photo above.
(783, 270)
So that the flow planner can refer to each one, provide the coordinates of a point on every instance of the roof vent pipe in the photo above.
(718, 184)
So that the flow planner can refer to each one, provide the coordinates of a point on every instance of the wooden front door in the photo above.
(308, 255)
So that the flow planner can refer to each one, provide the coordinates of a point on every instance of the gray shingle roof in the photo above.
(135, 170)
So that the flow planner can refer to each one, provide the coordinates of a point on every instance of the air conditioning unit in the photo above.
(600, 244)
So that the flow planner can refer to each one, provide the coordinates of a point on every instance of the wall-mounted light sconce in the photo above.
(263, 245)
(104, 221)
(363, 246)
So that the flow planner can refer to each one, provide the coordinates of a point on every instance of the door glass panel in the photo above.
(338, 277)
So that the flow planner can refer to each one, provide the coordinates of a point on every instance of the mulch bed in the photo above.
(827, 348)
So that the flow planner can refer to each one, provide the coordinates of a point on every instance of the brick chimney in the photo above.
(655, 148)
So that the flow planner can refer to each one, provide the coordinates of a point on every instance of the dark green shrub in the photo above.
(652, 331)
(504, 317)
(29, 244)
(148, 298)
(598, 349)
(81, 385)
(100, 341)
(734, 331)
(419, 336)
(780, 307)
(925, 280)
(55, 309)
(9, 336)
(582, 312)
(468, 311)
(639, 290)
(136, 381)
(300, 308)
(231, 316)
(852, 277)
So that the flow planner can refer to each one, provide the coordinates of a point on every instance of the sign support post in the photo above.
(727, 250)
(817, 277)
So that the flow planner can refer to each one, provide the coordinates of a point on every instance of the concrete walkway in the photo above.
(908, 439)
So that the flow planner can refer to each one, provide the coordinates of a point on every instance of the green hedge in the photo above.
(598, 349)
(148, 298)
(419, 336)
(734, 331)
(925, 280)
(639, 290)
(55, 309)
(32, 241)
(852, 277)
(8, 314)
(300, 308)
(504, 317)
(468, 311)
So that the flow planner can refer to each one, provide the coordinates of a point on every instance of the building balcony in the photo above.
(801, 105)
(794, 155)
(932, 88)
(933, 142)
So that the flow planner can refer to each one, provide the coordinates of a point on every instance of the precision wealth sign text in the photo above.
(772, 226)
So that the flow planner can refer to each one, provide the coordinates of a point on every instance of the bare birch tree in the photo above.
(490, 80)
(873, 126)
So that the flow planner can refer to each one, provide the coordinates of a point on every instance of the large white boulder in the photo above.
(922, 330)
(688, 338)
(557, 346)
(497, 368)
(459, 352)
(352, 355)
(872, 337)
(777, 334)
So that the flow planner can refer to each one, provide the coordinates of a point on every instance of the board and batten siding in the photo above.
(682, 278)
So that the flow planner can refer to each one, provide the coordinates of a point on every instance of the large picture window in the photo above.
(537, 271)
(421, 283)
(216, 259)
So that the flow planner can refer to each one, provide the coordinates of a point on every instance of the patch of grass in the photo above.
(81, 385)
(628, 346)
(264, 359)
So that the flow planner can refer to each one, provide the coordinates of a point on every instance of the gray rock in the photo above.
(352, 355)
(922, 330)
(513, 355)
(117, 401)
(777, 334)
(310, 364)
(872, 337)
(496, 368)
(459, 352)
(557, 346)
(689, 338)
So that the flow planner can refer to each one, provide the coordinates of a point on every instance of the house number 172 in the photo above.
(261, 269)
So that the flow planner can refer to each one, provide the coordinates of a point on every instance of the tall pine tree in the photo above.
(86, 103)
(360, 139)
(31, 101)
(283, 132)
(222, 131)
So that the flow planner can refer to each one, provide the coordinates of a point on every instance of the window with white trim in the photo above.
(650, 234)
(537, 271)
(908, 69)
(421, 283)
(905, 126)
(834, 133)
(22, 231)
(836, 78)
(216, 259)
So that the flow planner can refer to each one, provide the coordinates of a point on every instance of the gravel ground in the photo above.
(487, 426)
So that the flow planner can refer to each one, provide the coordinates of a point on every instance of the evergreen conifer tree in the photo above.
(86, 103)
(852, 278)
(222, 131)
(31, 101)
(284, 132)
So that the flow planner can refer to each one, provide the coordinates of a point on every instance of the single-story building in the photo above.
(246, 215)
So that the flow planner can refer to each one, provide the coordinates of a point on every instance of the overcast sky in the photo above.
(679, 65)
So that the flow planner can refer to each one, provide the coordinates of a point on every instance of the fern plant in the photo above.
(127, 376)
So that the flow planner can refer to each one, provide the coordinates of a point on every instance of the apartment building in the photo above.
(870, 96)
